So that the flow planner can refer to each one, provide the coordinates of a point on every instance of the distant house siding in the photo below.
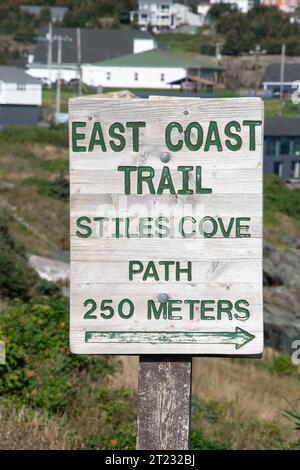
(21, 94)
(131, 77)
(19, 115)
(44, 72)
(282, 157)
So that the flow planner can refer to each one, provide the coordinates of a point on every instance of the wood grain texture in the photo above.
(223, 268)
(164, 417)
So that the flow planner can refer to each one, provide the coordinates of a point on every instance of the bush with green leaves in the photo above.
(40, 371)
(17, 278)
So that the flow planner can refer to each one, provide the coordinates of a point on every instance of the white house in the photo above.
(243, 5)
(157, 68)
(20, 97)
(164, 15)
(203, 8)
(184, 16)
(96, 45)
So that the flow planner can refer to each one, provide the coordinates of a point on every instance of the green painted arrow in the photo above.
(238, 337)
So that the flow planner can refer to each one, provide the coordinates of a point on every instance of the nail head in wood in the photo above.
(165, 157)
(163, 298)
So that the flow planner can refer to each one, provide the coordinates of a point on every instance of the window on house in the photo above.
(295, 170)
(136, 76)
(162, 77)
(284, 146)
(297, 146)
(278, 169)
(108, 75)
(270, 146)
(21, 86)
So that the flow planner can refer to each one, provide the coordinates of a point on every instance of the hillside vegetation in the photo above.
(52, 399)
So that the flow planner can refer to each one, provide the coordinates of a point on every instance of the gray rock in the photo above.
(50, 269)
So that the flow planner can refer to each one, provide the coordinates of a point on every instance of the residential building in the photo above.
(282, 148)
(96, 45)
(157, 68)
(272, 79)
(57, 14)
(203, 8)
(286, 6)
(164, 15)
(184, 16)
(20, 97)
(243, 5)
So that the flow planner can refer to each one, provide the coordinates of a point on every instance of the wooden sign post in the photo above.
(166, 242)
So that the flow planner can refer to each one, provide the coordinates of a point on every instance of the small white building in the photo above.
(242, 5)
(164, 15)
(20, 97)
(158, 69)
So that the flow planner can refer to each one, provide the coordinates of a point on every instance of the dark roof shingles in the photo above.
(11, 74)
(96, 44)
(291, 73)
(289, 127)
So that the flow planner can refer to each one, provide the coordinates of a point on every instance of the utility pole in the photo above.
(257, 52)
(57, 108)
(78, 33)
(49, 56)
(218, 53)
(282, 66)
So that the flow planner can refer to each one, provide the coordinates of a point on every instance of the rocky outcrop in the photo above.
(281, 294)
(50, 269)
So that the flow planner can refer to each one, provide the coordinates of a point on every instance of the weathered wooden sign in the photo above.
(166, 226)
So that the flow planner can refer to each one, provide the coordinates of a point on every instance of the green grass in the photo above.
(279, 198)
(57, 136)
(281, 108)
(57, 188)
(203, 42)
(67, 92)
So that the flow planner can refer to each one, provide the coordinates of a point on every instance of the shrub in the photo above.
(16, 277)
(200, 442)
(57, 188)
(282, 365)
(119, 440)
(279, 198)
(40, 371)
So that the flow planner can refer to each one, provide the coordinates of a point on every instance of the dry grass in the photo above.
(24, 429)
(40, 222)
(247, 392)
(284, 225)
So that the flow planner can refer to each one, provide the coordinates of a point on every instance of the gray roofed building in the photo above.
(10, 74)
(291, 73)
(282, 148)
(96, 44)
(282, 126)
(272, 80)
(20, 97)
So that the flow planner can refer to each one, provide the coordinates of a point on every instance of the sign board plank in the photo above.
(189, 227)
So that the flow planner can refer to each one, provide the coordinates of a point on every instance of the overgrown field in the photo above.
(51, 399)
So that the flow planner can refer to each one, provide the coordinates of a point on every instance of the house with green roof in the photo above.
(157, 68)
